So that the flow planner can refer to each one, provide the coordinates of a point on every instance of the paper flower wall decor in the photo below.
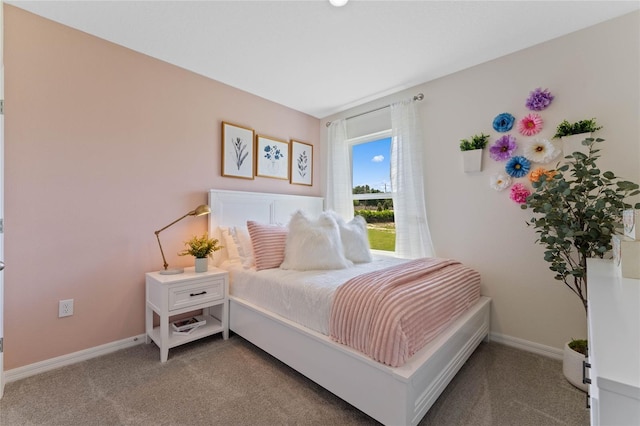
(539, 99)
(519, 193)
(536, 174)
(530, 125)
(503, 122)
(518, 166)
(503, 148)
(500, 181)
(540, 151)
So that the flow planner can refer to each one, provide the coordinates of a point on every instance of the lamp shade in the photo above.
(201, 210)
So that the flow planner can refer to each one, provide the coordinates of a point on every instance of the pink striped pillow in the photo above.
(268, 243)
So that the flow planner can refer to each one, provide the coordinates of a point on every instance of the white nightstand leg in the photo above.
(148, 324)
(164, 339)
(225, 320)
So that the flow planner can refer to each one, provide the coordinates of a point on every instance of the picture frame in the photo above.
(238, 151)
(301, 158)
(272, 157)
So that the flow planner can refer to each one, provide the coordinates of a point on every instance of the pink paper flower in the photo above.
(530, 125)
(519, 193)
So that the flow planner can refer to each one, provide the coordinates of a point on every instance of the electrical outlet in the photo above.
(65, 308)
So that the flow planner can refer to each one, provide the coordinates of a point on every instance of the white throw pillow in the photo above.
(355, 239)
(314, 245)
(230, 245)
(221, 255)
(245, 249)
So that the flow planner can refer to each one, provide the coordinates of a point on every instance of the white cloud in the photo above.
(378, 159)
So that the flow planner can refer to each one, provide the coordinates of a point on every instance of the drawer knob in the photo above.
(198, 294)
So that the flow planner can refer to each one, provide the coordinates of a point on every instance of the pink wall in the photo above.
(103, 146)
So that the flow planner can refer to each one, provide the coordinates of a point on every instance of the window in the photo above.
(371, 174)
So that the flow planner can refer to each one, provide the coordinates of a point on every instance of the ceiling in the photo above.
(320, 59)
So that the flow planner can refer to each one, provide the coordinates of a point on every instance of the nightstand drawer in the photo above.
(195, 293)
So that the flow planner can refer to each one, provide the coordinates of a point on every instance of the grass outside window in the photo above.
(382, 236)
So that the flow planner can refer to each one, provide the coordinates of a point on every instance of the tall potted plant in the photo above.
(577, 210)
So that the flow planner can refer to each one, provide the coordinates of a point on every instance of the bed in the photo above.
(392, 395)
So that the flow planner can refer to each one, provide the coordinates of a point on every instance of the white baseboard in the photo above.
(72, 358)
(526, 345)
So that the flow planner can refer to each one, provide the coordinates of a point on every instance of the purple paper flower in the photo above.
(539, 99)
(502, 149)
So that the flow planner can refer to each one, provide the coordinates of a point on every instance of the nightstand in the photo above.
(169, 295)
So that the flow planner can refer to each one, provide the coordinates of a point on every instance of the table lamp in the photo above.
(201, 210)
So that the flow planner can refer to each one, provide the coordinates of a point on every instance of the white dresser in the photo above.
(614, 345)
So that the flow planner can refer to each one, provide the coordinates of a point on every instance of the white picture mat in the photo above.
(237, 151)
(272, 157)
(301, 163)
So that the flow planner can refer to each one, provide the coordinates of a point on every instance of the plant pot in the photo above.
(572, 367)
(573, 143)
(202, 264)
(472, 160)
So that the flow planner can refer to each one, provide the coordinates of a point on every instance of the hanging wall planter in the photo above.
(472, 152)
(572, 135)
(472, 160)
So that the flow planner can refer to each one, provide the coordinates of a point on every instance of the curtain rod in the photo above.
(417, 97)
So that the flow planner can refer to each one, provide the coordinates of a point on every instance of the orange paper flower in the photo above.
(535, 175)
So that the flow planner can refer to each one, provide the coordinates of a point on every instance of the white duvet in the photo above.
(304, 297)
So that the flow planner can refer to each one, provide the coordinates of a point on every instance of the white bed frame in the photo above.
(393, 396)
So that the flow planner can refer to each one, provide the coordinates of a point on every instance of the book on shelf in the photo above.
(188, 323)
(188, 331)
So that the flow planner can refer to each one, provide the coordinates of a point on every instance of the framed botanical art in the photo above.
(237, 151)
(301, 163)
(272, 158)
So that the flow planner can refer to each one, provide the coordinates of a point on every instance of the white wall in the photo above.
(592, 73)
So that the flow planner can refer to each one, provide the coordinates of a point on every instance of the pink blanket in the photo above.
(391, 314)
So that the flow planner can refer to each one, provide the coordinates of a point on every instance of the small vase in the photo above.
(202, 264)
(572, 367)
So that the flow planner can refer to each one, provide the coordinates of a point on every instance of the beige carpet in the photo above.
(217, 382)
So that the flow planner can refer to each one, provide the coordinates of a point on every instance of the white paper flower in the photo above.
(540, 151)
(500, 181)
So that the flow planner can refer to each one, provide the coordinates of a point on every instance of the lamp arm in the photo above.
(165, 264)
(164, 260)
(175, 221)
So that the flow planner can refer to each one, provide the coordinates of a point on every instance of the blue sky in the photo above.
(371, 164)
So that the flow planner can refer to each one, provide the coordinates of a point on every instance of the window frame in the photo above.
(372, 137)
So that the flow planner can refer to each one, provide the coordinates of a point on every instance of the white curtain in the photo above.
(413, 239)
(339, 193)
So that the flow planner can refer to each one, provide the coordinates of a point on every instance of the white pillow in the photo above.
(355, 239)
(243, 244)
(230, 244)
(313, 245)
(221, 255)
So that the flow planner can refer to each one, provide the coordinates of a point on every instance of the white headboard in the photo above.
(234, 208)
